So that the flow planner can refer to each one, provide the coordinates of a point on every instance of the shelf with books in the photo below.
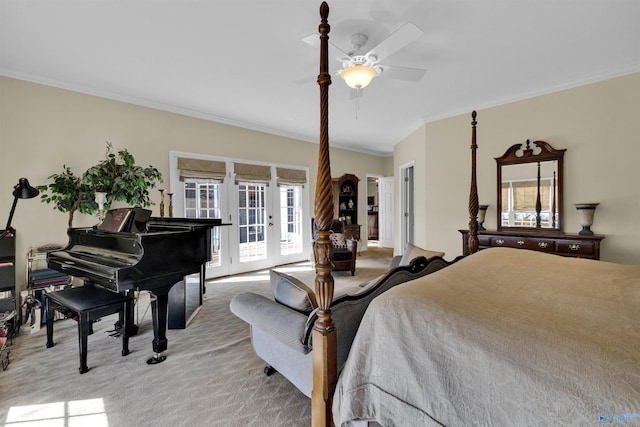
(41, 280)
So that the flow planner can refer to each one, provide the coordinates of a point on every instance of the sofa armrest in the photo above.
(352, 245)
(281, 322)
(395, 262)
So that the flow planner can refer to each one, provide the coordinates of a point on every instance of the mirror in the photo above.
(530, 187)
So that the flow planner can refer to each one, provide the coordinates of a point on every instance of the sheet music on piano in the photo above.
(132, 220)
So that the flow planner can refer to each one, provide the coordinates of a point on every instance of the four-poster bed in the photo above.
(504, 337)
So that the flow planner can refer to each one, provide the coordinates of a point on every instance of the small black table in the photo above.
(90, 303)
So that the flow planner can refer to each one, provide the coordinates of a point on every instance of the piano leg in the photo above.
(50, 313)
(119, 327)
(85, 328)
(159, 303)
(128, 323)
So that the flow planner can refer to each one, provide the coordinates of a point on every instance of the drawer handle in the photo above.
(521, 242)
(500, 242)
(574, 247)
(543, 245)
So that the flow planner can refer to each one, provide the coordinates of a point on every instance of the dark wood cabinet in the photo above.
(565, 244)
(345, 204)
(7, 273)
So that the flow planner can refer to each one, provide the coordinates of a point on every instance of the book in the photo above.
(116, 220)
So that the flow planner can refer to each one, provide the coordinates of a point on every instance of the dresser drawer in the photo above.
(565, 244)
(577, 247)
(484, 241)
(531, 243)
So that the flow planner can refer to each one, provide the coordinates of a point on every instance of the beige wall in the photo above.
(42, 128)
(596, 123)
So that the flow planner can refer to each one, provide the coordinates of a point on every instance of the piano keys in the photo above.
(159, 253)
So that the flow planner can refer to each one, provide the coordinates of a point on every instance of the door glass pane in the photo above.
(251, 221)
(205, 205)
(290, 220)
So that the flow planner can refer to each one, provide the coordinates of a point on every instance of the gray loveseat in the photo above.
(281, 328)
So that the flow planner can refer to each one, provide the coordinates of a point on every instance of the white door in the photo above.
(251, 232)
(266, 220)
(385, 212)
(292, 243)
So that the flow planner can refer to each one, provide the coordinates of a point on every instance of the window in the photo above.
(202, 200)
(519, 203)
(291, 220)
(252, 221)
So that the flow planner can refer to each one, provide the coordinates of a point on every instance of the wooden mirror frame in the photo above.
(528, 153)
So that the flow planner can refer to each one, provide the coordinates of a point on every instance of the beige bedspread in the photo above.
(505, 337)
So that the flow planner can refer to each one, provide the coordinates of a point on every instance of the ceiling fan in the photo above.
(358, 70)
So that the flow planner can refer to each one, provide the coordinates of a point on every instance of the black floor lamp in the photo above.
(22, 190)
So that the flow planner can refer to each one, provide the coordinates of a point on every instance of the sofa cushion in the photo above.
(412, 251)
(341, 254)
(289, 291)
(337, 240)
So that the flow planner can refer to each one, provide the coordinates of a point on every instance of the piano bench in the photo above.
(90, 303)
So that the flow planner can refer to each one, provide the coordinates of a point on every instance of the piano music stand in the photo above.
(90, 303)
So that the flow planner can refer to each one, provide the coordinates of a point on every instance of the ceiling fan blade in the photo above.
(402, 73)
(397, 40)
(313, 40)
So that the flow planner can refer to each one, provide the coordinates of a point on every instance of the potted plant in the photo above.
(69, 194)
(121, 179)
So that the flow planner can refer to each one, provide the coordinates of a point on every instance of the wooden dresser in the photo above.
(565, 244)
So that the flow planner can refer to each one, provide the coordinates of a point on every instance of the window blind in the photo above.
(252, 173)
(291, 176)
(201, 169)
(525, 193)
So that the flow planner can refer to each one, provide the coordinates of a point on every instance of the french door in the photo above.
(270, 227)
(267, 222)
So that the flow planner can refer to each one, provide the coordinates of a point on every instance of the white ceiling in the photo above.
(243, 62)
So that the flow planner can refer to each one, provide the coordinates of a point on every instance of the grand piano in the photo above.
(131, 251)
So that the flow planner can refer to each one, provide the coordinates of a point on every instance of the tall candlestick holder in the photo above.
(170, 204)
(161, 202)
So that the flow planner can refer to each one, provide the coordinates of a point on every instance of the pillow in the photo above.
(292, 292)
(411, 252)
(337, 240)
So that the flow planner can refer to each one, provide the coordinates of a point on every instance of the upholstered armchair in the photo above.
(345, 251)
(281, 327)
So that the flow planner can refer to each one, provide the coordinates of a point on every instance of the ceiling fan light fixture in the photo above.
(358, 76)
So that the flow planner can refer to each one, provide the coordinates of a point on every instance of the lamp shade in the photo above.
(23, 190)
(358, 76)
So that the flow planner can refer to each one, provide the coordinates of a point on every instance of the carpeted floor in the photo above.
(211, 376)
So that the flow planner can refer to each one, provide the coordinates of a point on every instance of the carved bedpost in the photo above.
(538, 202)
(325, 372)
(473, 193)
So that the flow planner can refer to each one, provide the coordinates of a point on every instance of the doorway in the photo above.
(407, 205)
(385, 211)
(266, 216)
